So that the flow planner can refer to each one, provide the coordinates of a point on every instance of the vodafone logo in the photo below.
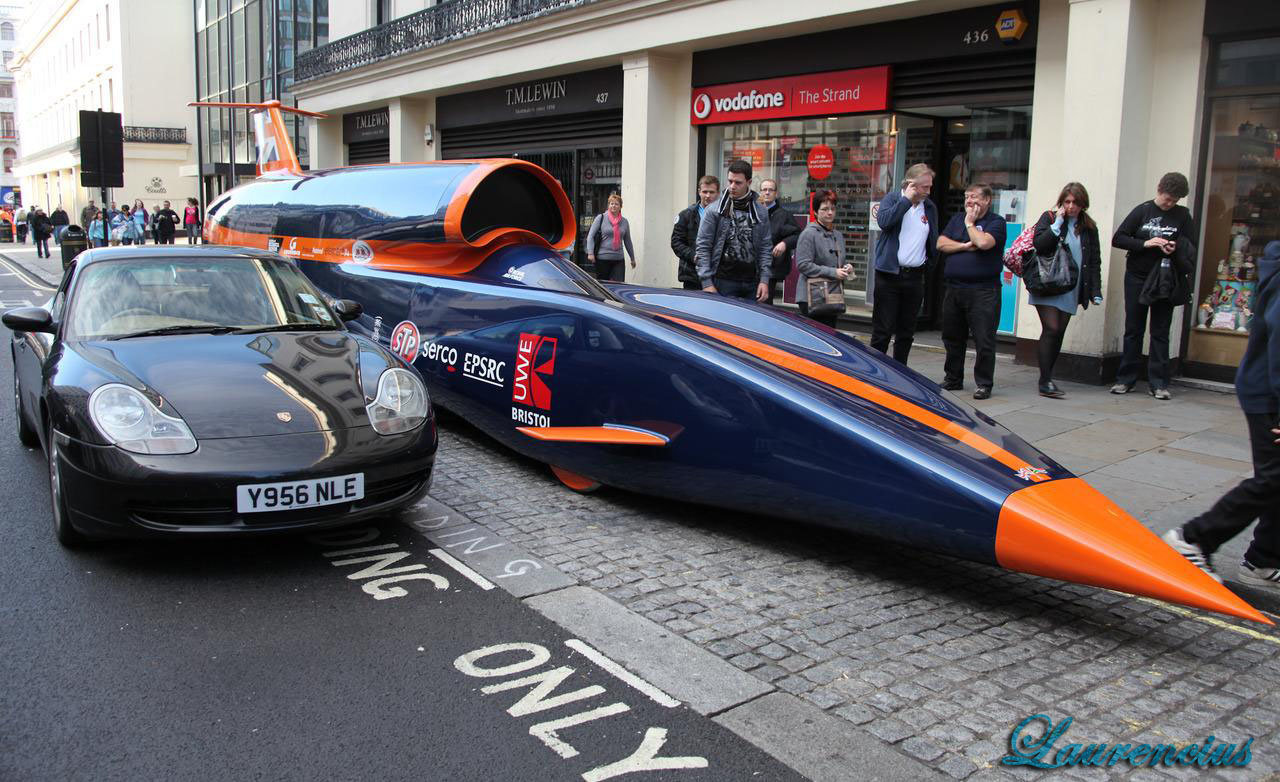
(701, 105)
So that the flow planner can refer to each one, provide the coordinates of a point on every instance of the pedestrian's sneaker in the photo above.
(1194, 554)
(1162, 394)
(1121, 388)
(1263, 577)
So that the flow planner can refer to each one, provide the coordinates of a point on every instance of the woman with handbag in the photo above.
(1069, 223)
(610, 233)
(820, 260)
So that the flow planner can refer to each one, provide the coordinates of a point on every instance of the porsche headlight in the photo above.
(401, 403)
(131, 422)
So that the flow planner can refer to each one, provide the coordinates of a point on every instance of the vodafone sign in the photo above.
(835, 92)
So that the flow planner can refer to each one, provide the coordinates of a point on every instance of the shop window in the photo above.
(1241, 214)
(1248, 63)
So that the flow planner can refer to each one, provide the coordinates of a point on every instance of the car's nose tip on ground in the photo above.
(1066, 529)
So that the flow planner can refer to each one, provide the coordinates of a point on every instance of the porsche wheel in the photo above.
(62, 529)
(26, 434)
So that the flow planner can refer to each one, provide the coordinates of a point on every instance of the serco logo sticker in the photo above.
(702, 105)
(535, 360)
(404, 340)
(361, 252)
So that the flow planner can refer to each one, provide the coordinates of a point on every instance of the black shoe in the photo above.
(1050, 390)
(983, 392)
(951, 385)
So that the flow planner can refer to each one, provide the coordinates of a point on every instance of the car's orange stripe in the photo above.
(866, 391)
(607, 435)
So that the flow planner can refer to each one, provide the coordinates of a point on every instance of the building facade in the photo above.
(75, 55)
(245, 52)
(10, 142)
(1026, 96)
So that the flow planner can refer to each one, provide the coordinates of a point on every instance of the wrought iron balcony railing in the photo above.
(447, 21)
(155, 135)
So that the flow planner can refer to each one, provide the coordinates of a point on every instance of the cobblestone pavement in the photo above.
(937, 657)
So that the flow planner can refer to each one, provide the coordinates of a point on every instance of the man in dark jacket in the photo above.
(1258, 389)
(684, 236)
(41, 230)
(58, 217)
(733, 246)
(908, 243)
(784, 233)
(166, 221)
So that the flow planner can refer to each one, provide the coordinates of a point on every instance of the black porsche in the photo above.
(191, 390)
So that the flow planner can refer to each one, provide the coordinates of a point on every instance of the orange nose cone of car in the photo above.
(1066, 529)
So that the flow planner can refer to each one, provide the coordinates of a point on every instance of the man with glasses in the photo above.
(784, 232)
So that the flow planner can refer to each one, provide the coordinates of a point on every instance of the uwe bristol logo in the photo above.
(535, 360)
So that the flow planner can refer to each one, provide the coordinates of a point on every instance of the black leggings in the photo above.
(1053, 327)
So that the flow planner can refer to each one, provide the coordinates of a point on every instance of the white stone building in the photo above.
(10, 142)
(127, 56)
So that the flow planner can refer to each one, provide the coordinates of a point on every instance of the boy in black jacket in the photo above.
(1258, 389)
(685, 233)
(1150, 234)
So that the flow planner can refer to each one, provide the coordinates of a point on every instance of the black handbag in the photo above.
(1051, 275)
(826, 297)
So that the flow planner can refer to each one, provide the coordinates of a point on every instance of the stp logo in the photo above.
(535, 359)
(404, 340)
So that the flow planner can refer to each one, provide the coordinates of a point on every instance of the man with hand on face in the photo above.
(973, 244)
(684, 236)
(908, 241)
(733, 249)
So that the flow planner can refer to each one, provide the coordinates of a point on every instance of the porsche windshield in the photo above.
(140, 297)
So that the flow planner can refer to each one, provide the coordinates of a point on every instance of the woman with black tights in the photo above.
(1069, 222)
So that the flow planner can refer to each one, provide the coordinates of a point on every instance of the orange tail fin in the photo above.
(275, 148)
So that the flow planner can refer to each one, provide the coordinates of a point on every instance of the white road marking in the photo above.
(1213, 620)
(7, 303)
(29, 279)
(627, 677)
(466, 572)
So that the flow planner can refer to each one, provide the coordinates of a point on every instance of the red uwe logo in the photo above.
(535, 359)
(404, 340)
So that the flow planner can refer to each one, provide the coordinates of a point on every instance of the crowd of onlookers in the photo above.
(113, 226)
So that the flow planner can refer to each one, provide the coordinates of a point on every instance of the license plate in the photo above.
(292, 495)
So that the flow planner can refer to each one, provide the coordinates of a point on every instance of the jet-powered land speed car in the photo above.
(674, 393)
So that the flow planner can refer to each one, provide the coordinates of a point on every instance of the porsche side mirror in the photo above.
(29, 319)
(347, 309)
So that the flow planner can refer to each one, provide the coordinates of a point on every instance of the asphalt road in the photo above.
(274, 659)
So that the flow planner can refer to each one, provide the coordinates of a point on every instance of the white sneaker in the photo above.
(1194, 554)
(1263, 577)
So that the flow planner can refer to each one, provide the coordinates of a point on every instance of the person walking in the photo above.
(973, 243)
(87, 214)
(610, 233)
(684, 236)
(116, 220)
(155, 225)
(41, 230)
(98, 229)
(166, 221)
(142, 219)
(58, 218)
(1068, 222)
(732, 252)
(20, 224)
(129, 231)
(908, 242)
(820, 253)
(1258, 391)
(1149, 235)
(783, 232)
(191, 220)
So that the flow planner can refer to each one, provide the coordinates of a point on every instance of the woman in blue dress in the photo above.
(1069, 222)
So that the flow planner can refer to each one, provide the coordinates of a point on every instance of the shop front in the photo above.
(1240, 184)
(571, 125)
(367, 136)
(855, 130)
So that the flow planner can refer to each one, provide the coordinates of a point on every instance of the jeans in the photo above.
(736, 289)
(193, 233)
(1135, 322)
(968, 311)
(1255, 498)
(894, 308)
(610, 270)
(42, 248)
